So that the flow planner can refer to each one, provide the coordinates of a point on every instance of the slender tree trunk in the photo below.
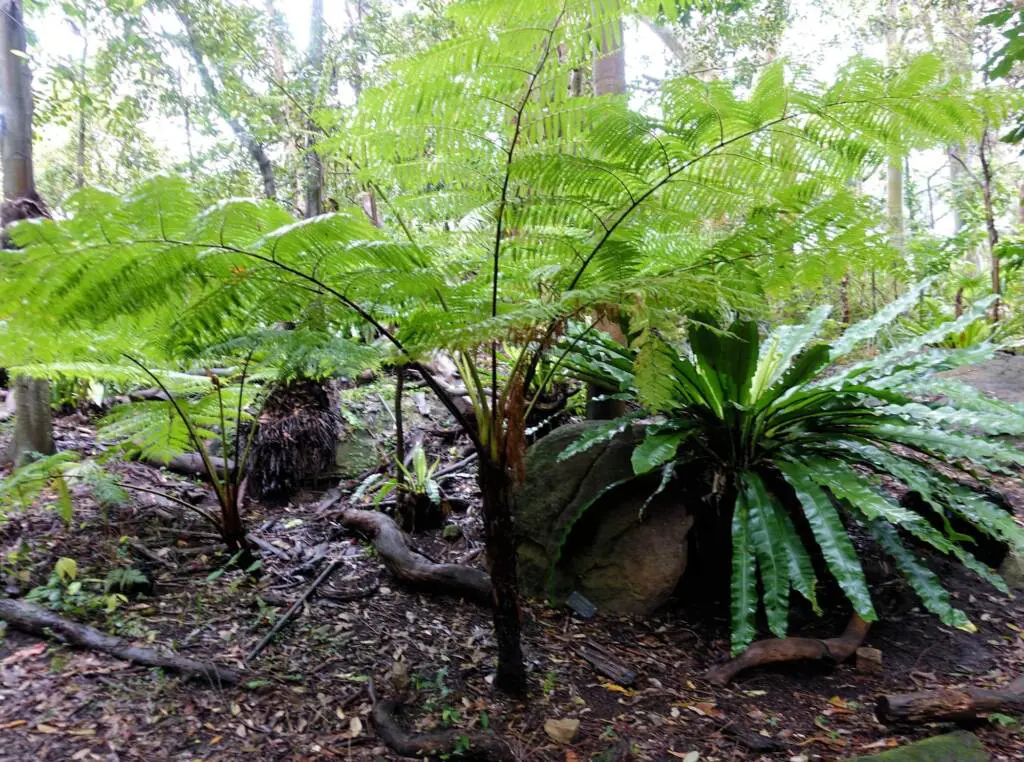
(314, 162)
(894, 167)
(82, 118)
(992, 234)
(33, 426)
(609, 79)
(957, 154)
(290, 122)
(670, 41)
(496, 489)
(252, 146)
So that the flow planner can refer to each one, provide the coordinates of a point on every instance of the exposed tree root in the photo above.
(481, 746)
(951, 704)
(793, 649)
(411, 567)
(38, 621)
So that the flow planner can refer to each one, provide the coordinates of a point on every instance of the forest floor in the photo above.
(306, 695)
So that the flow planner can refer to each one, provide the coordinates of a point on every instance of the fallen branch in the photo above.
(190, 464)
(292, 610)
(468, 745)
(38, 621)
(412, 567)
(951, 704)
(778, 650)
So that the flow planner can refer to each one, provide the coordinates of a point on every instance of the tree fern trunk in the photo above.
(498, 506)
(296, 440)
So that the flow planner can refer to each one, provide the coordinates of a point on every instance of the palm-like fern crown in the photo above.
(508, 203)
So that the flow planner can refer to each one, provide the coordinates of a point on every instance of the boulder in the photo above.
(951, 747)
(1012, 570)
(621, 563)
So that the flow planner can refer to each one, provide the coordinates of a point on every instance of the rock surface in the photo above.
(952, 747)
(621, 564)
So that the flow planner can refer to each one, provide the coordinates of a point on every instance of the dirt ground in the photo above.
(306, 696)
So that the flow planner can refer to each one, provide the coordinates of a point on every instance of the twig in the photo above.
(454, 467)
(292, 610)
(269, 548)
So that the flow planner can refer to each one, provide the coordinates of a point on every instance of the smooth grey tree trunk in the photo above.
(33, 426)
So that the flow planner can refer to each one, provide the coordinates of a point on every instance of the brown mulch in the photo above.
(306, 695)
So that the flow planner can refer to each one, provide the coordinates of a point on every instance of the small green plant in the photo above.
(1002, 720)
(125, 581)
(63, 591)
(51, 476)
(550, 681)
(418, 481)
(450, 716)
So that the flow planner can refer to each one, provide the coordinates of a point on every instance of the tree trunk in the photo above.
(291, 123)
(82, 118)
(610, 63)
(957, 154)
(894, 167)
(992, 234)
(251, 145)
(33, 426)
(16, 94)
(33, 429)
(498, 506)
(314, 162)
(675, 47)
(609, 79)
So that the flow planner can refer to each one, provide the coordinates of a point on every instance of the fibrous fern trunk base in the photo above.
(498, 505)
(296, 440)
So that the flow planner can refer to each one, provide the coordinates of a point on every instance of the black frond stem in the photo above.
(193, 435)
(503, 201)
(239, 465)
(445, 398)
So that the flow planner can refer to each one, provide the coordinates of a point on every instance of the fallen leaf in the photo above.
(355, 727)
(13, 724)
(616, 688)
(41, 728)
(562, 731)
(25, 653)
(690, 756)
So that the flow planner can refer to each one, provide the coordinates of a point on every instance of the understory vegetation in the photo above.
(343, 289)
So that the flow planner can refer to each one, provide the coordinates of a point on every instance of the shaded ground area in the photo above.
(306, 695)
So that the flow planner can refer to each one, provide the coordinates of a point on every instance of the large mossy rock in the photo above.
(951, 747)
(622, 564)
